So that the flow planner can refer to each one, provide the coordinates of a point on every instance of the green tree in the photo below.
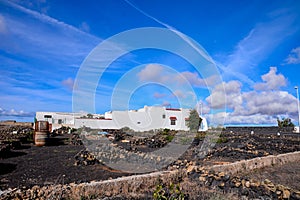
(285, 122)
(194, 120)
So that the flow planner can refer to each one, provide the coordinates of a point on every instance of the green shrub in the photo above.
(166, 131)
(172, 192)
(169, 138)
(222, 140)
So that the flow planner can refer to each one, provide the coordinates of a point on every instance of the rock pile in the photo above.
(158, 140)
(219, 181)
(75, 139)
(63, 130)
(205, 176)
(4, 148)
(241, 185)
(14, 132)
(37, 192)
(232, 146)
(85, 158)
(11, 137)
(259, 129)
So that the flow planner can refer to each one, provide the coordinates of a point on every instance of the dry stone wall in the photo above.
(257, 163)
(216, 177)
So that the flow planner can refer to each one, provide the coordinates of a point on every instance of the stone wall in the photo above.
(257, 163)
(259, 129)
(145, 184)
(14, 123)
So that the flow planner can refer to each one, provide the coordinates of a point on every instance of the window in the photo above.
(173, 120)
(47, 116)
(163, 116)
(60, 121)
(138, 122)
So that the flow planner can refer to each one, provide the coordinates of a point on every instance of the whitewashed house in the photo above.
(147, 118)
(58, 119)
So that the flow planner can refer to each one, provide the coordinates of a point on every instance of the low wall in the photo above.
(142, 184)
(257, 163)
(259, 129)
(14, 123)
(138, 184)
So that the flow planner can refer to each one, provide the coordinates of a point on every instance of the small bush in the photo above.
(166, 131)
(172, 192)
(222, 140)
(169, 138)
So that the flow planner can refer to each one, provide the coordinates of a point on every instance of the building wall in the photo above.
(144, 119)
(58, 119)
(180, 122)
(95, 123)
(147, 118)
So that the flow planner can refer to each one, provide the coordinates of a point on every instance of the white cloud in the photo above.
(69, 83)
(272, 81)
(230, 119)
(153, 73)
(227, 118)
(85, 27)
(261, 106)
(3, 28)
(166, 104)
(179, 94)
(268, 103)
(158, 95)
(225, 94)
(15, 113)
(47, 19)
(160, 74)
(294, 56)
(195, 80)
(202, 107)
(187, 39)
(256, 46)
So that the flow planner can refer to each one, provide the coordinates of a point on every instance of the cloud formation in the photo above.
(166, 104)
(84, 27)
(260, 106)
(268, 103)
(3, 28)
(257, 45)
(294, 56)
(46, 19)
(158, 95)
(160, 74)
(53, 48)
(195, 80)
(69, 83)
(15, 113)
(152, 73)
(179, 94)
(231, 119)
(272, 81)
(225, 94)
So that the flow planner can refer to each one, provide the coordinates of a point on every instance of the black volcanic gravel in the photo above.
(30, 165)
(33, 165)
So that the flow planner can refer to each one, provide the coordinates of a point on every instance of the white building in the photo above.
(147, 118)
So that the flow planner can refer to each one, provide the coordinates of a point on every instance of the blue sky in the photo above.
(254, 44)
